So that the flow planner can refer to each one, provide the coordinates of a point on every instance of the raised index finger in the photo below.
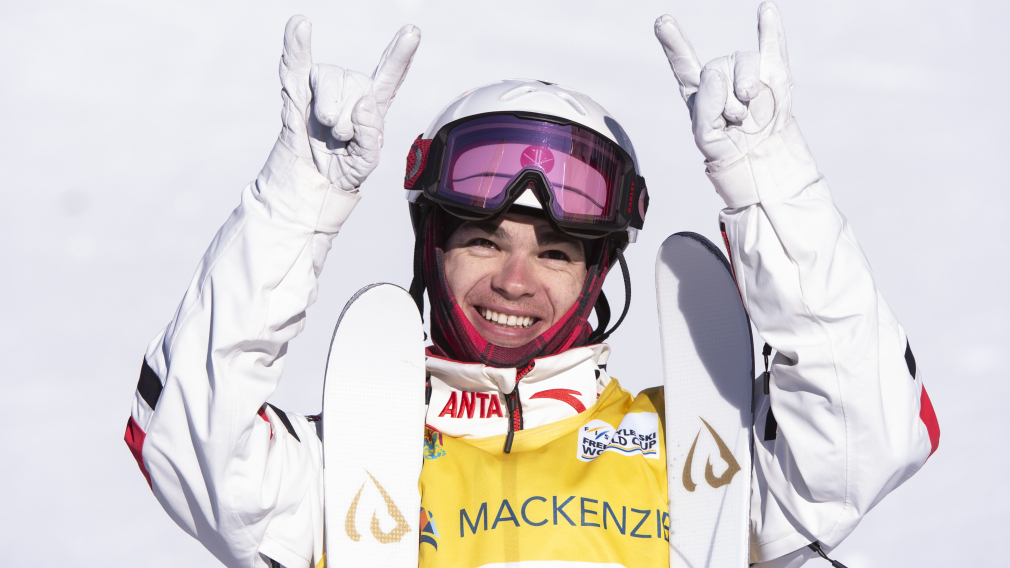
(297, 54)
(680, 53)
(393, 65)
(296, 61)
(772, 39)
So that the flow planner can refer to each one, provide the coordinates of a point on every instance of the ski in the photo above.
(708, 371)
(373, 431)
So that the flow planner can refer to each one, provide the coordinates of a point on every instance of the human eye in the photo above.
(483, 243)
(555, 254)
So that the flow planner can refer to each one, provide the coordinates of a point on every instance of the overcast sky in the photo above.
(130, 128)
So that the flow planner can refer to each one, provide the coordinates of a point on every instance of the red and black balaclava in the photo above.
(455, 338)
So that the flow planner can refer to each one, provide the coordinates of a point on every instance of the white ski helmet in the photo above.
(528, 126)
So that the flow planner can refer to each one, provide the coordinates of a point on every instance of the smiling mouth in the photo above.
(506, 320)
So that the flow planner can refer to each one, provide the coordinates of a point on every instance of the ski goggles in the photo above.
(476, 168)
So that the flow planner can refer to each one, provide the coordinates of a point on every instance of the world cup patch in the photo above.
(594, 437)
(638, 434)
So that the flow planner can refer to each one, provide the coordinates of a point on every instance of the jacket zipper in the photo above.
(515, 409)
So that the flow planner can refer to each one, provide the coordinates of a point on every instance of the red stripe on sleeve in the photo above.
(262, 413)
(135, 440)
(928, 417)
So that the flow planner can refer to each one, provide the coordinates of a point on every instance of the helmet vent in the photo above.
(516, 93)
(572, 102)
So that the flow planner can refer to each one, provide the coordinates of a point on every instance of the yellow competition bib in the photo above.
(590, 488)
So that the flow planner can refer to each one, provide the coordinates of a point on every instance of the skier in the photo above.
(523, 195)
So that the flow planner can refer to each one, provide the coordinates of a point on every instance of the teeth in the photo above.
(505, 319)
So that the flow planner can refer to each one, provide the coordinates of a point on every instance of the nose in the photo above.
(515, 280)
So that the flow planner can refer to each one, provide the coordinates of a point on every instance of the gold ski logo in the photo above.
(394, 535)
(724, 453)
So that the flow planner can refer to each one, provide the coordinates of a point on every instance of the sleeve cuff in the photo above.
(282, 555)
(776, 169)
(782, 546)
(293, 190)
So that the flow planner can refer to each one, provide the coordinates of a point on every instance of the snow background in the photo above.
(130, 128)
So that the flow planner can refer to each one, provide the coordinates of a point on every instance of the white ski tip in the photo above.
(373, 430)
(708, 367)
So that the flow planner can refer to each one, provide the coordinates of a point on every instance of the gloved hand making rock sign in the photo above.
(332, 118)
(736, 102)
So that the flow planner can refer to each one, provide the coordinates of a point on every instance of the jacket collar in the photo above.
(468, 400)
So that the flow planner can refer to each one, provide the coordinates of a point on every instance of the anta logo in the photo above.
(715, 482)
(466, 404)
(538, 511)
(566, 396)
(394, 535)
(637, 435)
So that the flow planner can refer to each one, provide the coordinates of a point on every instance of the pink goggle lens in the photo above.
(485, 156)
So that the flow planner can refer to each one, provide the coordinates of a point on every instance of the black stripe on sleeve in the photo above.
(771, 426)
(285, 421)
(909, 359)
(149, 385)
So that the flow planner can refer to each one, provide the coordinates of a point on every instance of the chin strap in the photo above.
(603, 306)
(417, 284)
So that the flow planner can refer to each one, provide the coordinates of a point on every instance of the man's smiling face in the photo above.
(515, 277)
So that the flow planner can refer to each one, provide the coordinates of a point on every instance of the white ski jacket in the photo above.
(846, 421)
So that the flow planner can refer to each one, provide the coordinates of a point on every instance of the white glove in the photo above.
(737, 103)
(332, 121)
(343, 132)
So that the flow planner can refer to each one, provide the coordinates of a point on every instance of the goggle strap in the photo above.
(417, 159)
(638, 204)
